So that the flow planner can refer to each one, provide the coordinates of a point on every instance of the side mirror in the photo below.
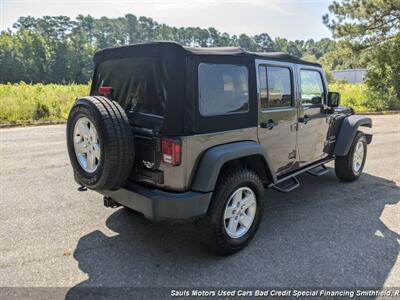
(333, 99)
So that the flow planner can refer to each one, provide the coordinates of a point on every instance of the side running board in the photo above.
(287, 185)
(318, 171)
(289, 182)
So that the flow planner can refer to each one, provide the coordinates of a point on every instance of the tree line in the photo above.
(58, 49)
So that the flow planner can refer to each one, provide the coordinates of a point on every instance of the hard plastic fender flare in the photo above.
(213, 159)
(348, 131)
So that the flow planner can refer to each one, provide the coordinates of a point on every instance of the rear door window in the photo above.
(223, 89)
(275, 87)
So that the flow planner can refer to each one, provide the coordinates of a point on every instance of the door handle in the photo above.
(305, 119)
(269, 125)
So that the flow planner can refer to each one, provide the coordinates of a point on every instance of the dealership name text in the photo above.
(284, 293)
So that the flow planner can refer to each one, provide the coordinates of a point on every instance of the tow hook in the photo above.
(109, 202)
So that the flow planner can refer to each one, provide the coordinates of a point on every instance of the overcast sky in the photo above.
(291, 19)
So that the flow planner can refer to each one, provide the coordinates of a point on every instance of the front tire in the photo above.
(235, 211)
(349, 168)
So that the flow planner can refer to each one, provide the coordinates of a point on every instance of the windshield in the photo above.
(138, 83)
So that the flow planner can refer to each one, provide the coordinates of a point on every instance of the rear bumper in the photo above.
(161, 205)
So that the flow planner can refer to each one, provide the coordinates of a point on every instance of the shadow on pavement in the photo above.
(324, 234)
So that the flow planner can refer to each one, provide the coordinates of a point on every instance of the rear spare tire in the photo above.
(100, 143)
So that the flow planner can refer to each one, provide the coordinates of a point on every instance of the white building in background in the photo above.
(350, 75)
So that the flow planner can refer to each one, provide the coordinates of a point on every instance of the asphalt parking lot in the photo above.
(325, 233)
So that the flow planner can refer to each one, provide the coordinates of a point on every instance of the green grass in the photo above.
(353, 95)
(33, 103)
(362, 99)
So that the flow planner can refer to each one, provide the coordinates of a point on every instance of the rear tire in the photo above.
(239, 184)
(349, 168)
(114, 143)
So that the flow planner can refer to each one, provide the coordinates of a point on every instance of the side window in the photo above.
(223, 89)
(275, 87)
(279, 87)
(262, 72)
(312, 88)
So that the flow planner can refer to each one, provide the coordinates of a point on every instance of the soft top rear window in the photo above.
(138, 83)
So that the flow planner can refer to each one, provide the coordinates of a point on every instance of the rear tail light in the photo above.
(105, 90)
(171, 151)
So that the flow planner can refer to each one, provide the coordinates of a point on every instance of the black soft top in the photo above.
(181, 114)
(174, 48)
